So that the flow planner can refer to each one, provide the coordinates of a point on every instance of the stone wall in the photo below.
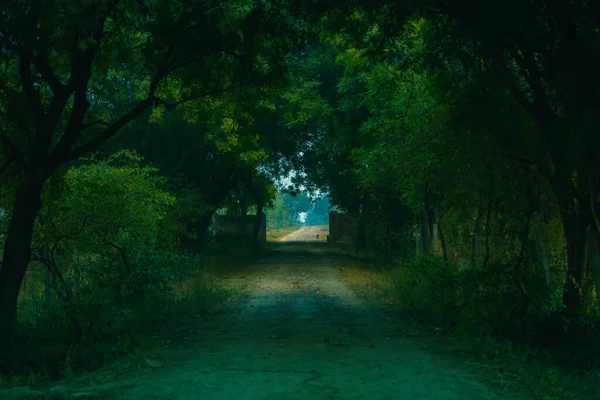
(343, 227)
(227, 227)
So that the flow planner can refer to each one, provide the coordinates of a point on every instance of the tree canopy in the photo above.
(464, 134)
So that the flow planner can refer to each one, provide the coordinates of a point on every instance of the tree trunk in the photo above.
(204, 225)
(255, 240)
(417, 234)
(543, 256)
(362, 226)
(594, 261)
(460, 252)
(475, 241)
(487, 232)
(435, 241)
(575, 229)
(586, 282)
(243, 204)
(17, 254)
(354, 208)
(215, 200)
(522, 312)
(442, 239)
(200, 228)
(426, 233)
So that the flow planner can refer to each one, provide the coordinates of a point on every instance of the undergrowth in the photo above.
(278, 233)
(105, 284)
(481, 312)
(157, 318)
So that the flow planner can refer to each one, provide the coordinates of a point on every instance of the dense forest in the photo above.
(465, 133)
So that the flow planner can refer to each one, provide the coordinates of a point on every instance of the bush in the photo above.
(482, 302)
(428, 285)
(106, 261)
(99, 237)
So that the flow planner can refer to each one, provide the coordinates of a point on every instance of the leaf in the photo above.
(153, 363)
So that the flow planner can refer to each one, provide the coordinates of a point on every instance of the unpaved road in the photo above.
(303, 334)
(307, 234)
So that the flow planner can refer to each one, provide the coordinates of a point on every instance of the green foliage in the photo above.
(428, 284)
(481, 303)
(106, 263)
(279, 215)
(319, 214)
(446, 140)
(457, 138)
(101, 262)
(297, 203)
(191, 207)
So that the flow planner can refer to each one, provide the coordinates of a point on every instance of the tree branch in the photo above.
(113, 128)
(6, 164)
(16, 153)
(593, 206)
(182, 160)
(110, 131)
(170, 106)
(120, 250)
(137, 111)
(81, 72)
(163, 71)
(527, 163)
(43, 66)
(94, 123)
(5, 67)
(33, 98)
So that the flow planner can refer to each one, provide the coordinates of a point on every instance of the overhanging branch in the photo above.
(112, 129)
(94, 123)
(7, 163)
(170, 106)
(43, 66)
(109, 132)
(137, 111)
(31, 95)
(163, 70)
(16, 153)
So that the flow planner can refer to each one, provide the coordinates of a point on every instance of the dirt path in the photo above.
(303, 334)
(307, 234)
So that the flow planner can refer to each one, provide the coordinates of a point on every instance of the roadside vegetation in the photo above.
(468, 147)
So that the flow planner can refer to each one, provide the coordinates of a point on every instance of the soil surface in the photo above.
(302, 334)
(307, 234)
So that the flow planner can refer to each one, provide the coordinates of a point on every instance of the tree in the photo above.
(325, 120)
(540, 97)
(86, 70)
(318, 215)
(534, 67)
(297, 203)
(414, 147)
(99, 262)
(278, 215)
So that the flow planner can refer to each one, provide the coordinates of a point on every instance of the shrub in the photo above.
(427, 284)
(481, 302)
(106, 262)
(99, 237)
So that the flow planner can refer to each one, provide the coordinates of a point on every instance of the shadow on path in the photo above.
(302, 334)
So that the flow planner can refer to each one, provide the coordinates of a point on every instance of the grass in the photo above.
(504, 365)
(168, 321)
(277, 233)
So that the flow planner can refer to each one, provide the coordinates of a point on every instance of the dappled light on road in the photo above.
(316, 233)
(303, 333)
